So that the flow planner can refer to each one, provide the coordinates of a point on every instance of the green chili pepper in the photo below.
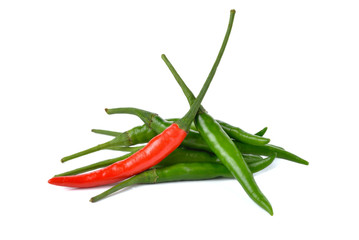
(140, 134)
(180, 172)
(221, 144)
(242, 136)
(265, 150)
(180, 155)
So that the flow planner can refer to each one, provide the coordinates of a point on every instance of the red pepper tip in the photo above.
(52, 181)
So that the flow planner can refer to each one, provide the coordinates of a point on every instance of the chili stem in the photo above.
(186, 121)
(94, 166)
(114, 142)
(105, 132)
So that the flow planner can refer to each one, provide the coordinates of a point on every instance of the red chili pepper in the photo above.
(155, 151)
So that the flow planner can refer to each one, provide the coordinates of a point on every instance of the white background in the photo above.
(289, 65)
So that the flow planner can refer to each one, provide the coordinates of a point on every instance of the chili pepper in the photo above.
(265, 150)
(222, 145)
(144, 134)
(243, 136)
(180, 172)
(140, 134)
(180, 155)
(156, 150)
(184, 155)
(191, 155)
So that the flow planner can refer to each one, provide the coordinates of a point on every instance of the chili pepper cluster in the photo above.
(194, 147)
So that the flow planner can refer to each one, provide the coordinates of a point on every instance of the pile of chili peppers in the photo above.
(195, 147)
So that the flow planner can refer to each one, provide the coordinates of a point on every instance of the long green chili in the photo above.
(181, 172)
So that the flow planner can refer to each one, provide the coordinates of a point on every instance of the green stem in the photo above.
(188, 93)
(233, 132)
(118, 140)
(94, 166)
(105, 132)
(185, 122)
(144, 177)
(145, 116)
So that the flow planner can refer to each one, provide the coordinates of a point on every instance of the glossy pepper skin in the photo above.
(223, 147)
(144, 133)
(230, 156)
(221, 144)
(266, 150)
(196, 142)
(240, 135)
(155, 151)
(178, 172)
(180, 155)
(182, 172)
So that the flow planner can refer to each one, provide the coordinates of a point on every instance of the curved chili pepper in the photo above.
(181, 172)
(180, 155)
(236, 132)
(222, 145)
(264, 150)
(142, 134)
(267, 149)
(156, 150)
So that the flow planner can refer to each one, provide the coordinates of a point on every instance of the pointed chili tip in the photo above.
(51, 181)
(304, 162)
(266, 206)
(56, 181)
